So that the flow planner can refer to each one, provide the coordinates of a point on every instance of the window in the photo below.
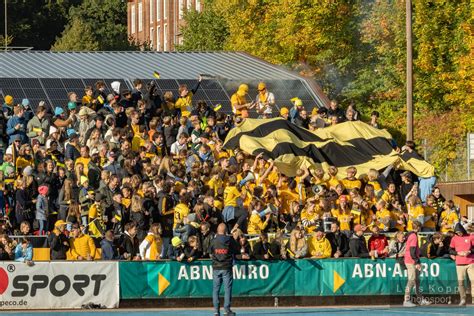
(158, 10)
(165, 9)
(189, 4)
(151, 12)
(198, 5)
(152, 38)
(180, 8)
(133, 20)
(158, 38)
(140, 17)
(165, 37)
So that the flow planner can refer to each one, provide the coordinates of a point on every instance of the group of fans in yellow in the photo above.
(135, 175)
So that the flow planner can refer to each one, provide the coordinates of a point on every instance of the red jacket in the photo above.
(378, 243)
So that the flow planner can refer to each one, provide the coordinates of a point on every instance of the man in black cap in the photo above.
(222, 251)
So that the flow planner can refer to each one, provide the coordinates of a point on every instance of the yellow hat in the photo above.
(241, 93)
(314, 111)
(297, 101)
(261, 86)
(9, 99)
(59, 223)
(284, 111)
(84, 179)
(244, 87)
(176, 241)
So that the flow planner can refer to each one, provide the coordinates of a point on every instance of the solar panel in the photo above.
(30, 83)
(212, 91)
(167, 84)
(73, 84)
(216, 94)
(16, 93)
(9, 83)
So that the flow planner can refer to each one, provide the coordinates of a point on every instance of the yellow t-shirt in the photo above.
(333, 182)
(376, 185)
(382, 216)
(364, 218)
(215, 183)
(430, 211)
(449, 217)
(236, 100)
(398, 226)
(231, 194)
(180, 212)
(351, 184)
(184, 104)
(256, 225)
(137, 142)
(413, 213)
(344, 219)
(85, 163)
(287, 197)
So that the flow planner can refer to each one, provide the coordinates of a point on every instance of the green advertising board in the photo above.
(306, 277)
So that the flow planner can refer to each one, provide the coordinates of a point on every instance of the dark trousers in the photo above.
(219, 277)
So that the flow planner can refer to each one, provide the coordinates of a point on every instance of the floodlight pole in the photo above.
(409, 78)
(6, 26)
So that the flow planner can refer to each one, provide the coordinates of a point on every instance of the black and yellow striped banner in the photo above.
(347, 144)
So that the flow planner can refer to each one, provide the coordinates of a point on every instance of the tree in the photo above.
(319, 37)
(106, 21)
(77, 36)
(203, 31)
(36, 23)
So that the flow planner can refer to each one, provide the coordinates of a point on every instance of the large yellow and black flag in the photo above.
(343, 145)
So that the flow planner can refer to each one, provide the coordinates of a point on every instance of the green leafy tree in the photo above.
(77, 36)
(203, 31)
(106, 21)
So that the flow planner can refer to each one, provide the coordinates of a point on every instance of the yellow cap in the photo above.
(84, 179)
(176, 241)
(244, 87)
(284, 111)
(59, 223)
(261, 86)
(241, 93)
(9, 99)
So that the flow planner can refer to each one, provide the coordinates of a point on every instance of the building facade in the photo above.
(156, 23)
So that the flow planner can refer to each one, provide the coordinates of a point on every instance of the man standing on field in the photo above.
(222, 251)
(412, 262)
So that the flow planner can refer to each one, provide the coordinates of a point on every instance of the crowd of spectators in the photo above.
(144, 176)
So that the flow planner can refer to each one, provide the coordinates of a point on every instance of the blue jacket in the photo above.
(11, 131)
(109, 251)
(23, 256)
(42, 207)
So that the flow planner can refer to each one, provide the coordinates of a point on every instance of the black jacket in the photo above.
(222, 250)
(338, 241)
(357, 247)
(430, 250)
(164, 214)
(57, 246)
(260, 249)
(129, 245)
